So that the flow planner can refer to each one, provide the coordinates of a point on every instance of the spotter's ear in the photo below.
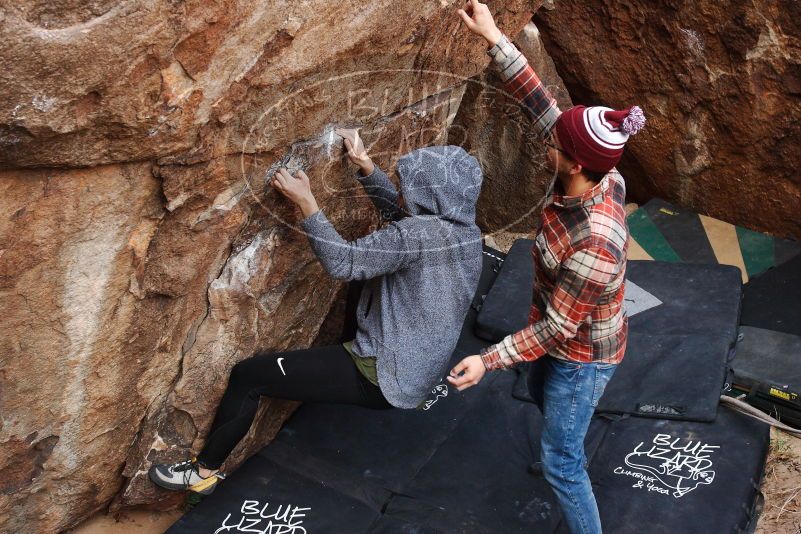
(576, 168)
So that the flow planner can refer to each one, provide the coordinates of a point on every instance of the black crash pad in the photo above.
(478, 474)
(492, 263)
(669, 376)
(506, 307)
(767, 369)
(265, 495)
(771, 299)
(472, 479)
(696, 298)
(677, 352)
(660, 476)
(363, 471)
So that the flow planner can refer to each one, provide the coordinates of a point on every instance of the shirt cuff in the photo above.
(314, 221)
(507, 58)
(491, 358)
(494, 49)
(360, 176)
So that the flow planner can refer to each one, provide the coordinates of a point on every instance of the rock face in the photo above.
(492, 125)
(141, 255)
(720, 84)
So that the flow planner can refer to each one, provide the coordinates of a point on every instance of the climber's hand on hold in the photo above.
(356, 151)
(478, 19)
(297, 189)
(473, 367)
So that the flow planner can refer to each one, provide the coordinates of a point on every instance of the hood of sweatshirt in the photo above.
(444, 181)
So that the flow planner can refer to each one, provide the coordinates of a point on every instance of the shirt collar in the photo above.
(590, 197)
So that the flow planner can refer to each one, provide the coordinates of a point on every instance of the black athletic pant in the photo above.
(321, 374)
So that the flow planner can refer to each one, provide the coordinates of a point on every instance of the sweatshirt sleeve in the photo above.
(522, 83)
(579, 285)
(384, 251)
(383, 193)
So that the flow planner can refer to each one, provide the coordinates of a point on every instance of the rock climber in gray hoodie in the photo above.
(421, 271)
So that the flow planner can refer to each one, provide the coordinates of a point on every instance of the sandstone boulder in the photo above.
(720, 84)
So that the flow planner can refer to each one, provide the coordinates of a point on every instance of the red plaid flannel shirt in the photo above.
(579, 253)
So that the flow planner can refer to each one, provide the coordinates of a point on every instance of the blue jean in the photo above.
(567, 393)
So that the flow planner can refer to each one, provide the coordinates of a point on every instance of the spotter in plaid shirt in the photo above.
(579, 253)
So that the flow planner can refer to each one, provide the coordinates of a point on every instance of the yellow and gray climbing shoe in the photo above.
(184, 476)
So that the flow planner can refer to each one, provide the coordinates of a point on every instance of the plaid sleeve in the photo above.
(581, 280)
(523, 84)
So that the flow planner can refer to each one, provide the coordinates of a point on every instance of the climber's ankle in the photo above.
(206, 473)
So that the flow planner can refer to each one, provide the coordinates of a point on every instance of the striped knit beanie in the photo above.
(594, 136)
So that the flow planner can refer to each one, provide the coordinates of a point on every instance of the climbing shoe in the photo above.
(184, 476)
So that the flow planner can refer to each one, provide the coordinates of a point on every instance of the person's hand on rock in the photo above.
(473, 367)
(356, 151)
(297, 189)
(478, 19)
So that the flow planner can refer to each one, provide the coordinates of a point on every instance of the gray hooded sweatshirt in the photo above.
(423, 268)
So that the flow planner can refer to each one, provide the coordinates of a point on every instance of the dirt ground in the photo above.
(782, 486)
(129, 522)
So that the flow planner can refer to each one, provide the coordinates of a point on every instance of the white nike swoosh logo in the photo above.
(281, 366)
